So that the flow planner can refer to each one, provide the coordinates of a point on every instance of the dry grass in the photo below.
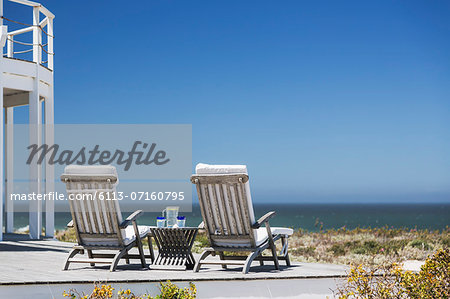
(370, 246)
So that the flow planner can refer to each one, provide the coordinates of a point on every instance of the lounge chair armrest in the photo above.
(201, 227)
(131, 218)
(263, 219)
(70, 224)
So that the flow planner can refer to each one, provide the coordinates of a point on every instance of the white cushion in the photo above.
(127, 234)
(94, 170)
(130, 235)
(261, 233)
(91, 169)
(260, 237)
(202, 168)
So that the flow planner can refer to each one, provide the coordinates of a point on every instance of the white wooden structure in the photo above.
(27, 80)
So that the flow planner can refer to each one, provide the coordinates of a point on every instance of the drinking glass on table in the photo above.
(181, 221)
(160, 222)
(171, 214)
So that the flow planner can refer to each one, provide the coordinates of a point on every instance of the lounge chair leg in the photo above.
(285, 252)
(288, 261)
(150, 248)
(90, 256)
(117, 258)
(202, 257)
(141, 253)
(275, 257)
(272, 247)
(190, 261)
(71, 255)
(249, 260)
(222, 257)
(261, 262)
(139, 245)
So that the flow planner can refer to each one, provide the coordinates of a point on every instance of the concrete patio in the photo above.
(36, 266)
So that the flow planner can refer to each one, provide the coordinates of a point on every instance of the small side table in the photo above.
(174, 247)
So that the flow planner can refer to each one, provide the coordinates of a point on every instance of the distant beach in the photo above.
(312, 217)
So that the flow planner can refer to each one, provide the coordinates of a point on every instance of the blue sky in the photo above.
(323, 100)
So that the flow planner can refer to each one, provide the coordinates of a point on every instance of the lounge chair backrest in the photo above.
(95, 216)
(226, 204)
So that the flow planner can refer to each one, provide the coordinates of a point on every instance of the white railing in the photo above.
(38, 28)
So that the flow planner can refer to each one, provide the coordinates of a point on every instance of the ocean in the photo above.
(311, 216)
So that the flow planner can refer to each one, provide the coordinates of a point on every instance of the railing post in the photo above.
(10, 46)
(1, 133)
(9, 168)
(36, 36)
(49, 168)
(35, 132)
(50, 43)
(35, 207)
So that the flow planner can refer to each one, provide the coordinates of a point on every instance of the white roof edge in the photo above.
(26, 2)
(42, 8)
(46, 12)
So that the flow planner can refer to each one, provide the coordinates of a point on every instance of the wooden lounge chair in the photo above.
(229, 220)
(98, 221)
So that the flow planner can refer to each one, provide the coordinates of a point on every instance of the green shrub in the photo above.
(386, 232)
(359, 250)
(390, 281)
(304, 251)
(68, 235)
(445, 241)
(168, 290)
(421, 244)
(433, 280)
(202, 239)
(352, 244)
(368, 247)
(338, 249)
(171, 291)
(393, 246)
